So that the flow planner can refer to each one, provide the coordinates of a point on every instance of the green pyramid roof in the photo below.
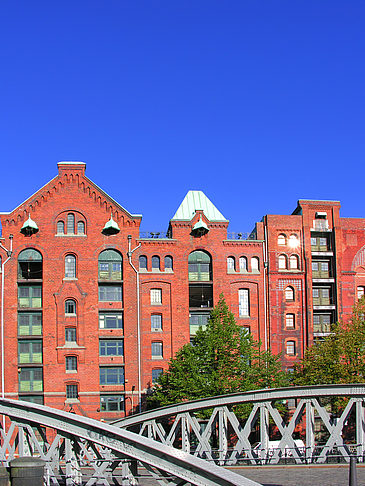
(194, 201)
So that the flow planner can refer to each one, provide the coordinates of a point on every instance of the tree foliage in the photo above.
(340, 357)
(223, 359)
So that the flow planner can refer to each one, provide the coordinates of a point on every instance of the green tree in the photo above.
(224, 358)
(340, 357)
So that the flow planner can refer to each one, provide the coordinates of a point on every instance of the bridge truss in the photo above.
(225, 439)
(79, 450)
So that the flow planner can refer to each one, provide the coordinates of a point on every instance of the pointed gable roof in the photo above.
(195, 201)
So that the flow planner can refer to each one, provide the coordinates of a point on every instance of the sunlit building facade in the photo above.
(93, 309)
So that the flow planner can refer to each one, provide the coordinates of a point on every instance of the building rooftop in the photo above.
(197, 201)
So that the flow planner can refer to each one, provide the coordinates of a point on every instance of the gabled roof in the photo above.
(194, 201)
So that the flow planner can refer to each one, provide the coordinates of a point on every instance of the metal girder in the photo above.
(170, 461)
(231, 435)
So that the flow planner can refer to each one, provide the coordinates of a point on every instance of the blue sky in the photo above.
(257, 103)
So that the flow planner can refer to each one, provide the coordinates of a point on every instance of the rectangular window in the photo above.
(32, 399)
(112, 375)
(289, 321)
(110, 271)
(111, 347)
(322, 323)
(71, 363)
(30, 380)
(30, 324)
(244, 302)
(70, 334)
(110, 293)
(30, 351)
(156, 372)
(156, 296)
(290, 348)
(72, 391)
(156, 322)
(197, 320)
(30, 296)
(156, 350)
(110, 321)
(111, 403)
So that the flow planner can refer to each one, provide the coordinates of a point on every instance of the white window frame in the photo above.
(244, 302)
(156, 296)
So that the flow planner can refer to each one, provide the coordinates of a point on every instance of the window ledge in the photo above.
(71, 346)
(70, 315)
(70, 372)
(72, 400)
(155, 358)
(63, 235)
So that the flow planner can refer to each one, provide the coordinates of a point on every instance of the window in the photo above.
(29, 265)
(110, 321)
(112, 375)
(319, 243)
(71, 223)
(289, 293)
(243, 264)
(70, 307)
(231, 264)
(111, 347)
(30, 324)
(156, 350)
(156, 322)
(142, 262)
(156, 296)
(197, 320)
(155, 262)
(289, 321)
(321, 296)
(30, 296)
(294, 262)
(80, 228)
(70, 266)
(71, 363)
(110, 293)
(255, 265)
(60, 228)
(30, 380)
(244, 302)
(70, 334)
(281, 239)
(290, 348)
(156, 372)
(110, 265)
(72, 391)
(200, 295)
(282, 262)
(32, 399)
(320, 269)
(111, 403)
(200, 266)
(360, 292)
(293, 241)
(168, 263)
(30, 351)
(321, 323)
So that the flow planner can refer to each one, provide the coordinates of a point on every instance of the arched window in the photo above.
(143, 262)
(110, 265)
(289, 321)
(168, 263)
(60, 227)
(70, 307)
(294, 262)
(30, 264)
(289, 293)
(282, 262)
(200, 266)
(282, 239)
(231, 264)
(70, 266)
(290, 348)
(80, 228)
(360, 292)
(71, 223)
(255, 265)
(293, 241)
(243, 264)
(155, 262)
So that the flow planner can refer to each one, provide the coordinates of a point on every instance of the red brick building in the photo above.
(92, 311)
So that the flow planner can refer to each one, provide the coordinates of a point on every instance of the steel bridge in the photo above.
(175, 446)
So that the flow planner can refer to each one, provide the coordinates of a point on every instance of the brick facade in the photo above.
(73, 335)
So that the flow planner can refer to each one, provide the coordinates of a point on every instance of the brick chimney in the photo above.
(71, 167)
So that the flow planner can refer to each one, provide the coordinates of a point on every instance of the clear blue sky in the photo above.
(257, 103)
